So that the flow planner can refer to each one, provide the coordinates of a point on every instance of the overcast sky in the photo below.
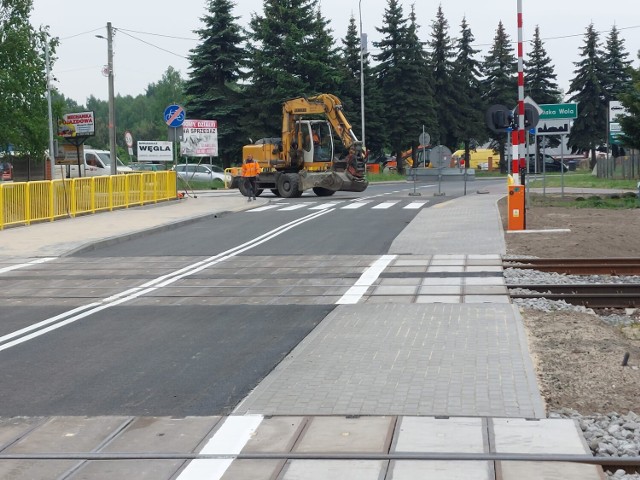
(81, 55)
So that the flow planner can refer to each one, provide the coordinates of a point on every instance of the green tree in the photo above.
(588, 88)
(466, 76)
(630, 123)
(350, 93)
(216, 68)
(500, 85)
(444, 88)
(617, 67)
(403, 76)
(291, 54)
(540, 76)
(23, 82)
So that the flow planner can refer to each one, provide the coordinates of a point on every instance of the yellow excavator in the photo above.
(309, 155)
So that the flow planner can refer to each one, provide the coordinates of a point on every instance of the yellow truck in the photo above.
(481, 159)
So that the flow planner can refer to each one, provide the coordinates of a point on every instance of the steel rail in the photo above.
(578, 266)
(427, 456)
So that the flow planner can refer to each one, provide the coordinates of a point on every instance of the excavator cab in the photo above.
(317, 143)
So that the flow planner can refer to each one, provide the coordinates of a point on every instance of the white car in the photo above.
(199, 173)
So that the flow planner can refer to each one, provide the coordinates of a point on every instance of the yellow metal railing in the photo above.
(22, 203)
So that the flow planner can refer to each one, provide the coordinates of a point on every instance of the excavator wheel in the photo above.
(275, 192)
(288, 186)
(323, 192)
(259, 191)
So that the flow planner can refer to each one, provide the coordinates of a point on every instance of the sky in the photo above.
(152, 35)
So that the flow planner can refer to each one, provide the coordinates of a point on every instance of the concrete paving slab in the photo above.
(486, 299)
(334, 469)
(518, 435)
(138, 469)
(440, 290)
(548, 470)
(276, 434)
(253, 470)
(341, 434)
(162, 435)
(438, 299)
(440, 470)
(11, 429)
(395, 290)
(430, 434)
(35, 469)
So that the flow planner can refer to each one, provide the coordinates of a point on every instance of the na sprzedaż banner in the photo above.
(199, 138)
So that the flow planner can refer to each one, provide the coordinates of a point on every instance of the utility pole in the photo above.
(52, 156)
(112, 109)
(362, 47)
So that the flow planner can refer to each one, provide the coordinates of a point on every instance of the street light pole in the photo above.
(361, 74)
(112, 112)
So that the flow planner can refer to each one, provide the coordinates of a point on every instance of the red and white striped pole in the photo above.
(519, 135)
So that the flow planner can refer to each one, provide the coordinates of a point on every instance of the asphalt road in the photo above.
(188, 321)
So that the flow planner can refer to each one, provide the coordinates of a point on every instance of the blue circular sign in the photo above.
(174, 116)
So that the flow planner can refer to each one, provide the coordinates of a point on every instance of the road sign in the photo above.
(174, 116)
(554, 127)
(424, 139)
(556, 111)
(128, 139)
(530, 101)
(616, 109)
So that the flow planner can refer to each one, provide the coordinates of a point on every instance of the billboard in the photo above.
(199, 138)
(155, 151)
(81, 124)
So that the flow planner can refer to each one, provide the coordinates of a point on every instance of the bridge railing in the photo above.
(22, 203)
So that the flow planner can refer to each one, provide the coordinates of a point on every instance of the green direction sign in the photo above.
(556, 111)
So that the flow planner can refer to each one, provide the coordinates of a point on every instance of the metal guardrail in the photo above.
(22, 203)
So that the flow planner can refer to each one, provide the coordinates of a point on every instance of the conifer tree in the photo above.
(466, 75)
(446, 96)
(588, 88)
(618, 68)
(216, 67)
(291, 54)
(403, 76)
(500, 82)
(350, 93)
(540, 76)
(631, 101)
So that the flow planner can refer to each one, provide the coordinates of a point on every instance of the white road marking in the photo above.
(263, 208)
(295, 207)
(354, 205)
(230, 439)
(323, 206)
(28, 264)
(415, 205)
(367, 278)
(148, 287)
(384, 205)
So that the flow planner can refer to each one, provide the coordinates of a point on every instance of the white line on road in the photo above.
(385, 205)
(324, 206)
(263, 208)
(295, 207)
(367, 278)
(28, 264)
(415, 205)
(230, 439)
(354, 205)
(148, 287)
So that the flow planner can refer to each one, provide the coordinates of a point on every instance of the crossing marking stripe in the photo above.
(354, 205)
(294, 207)
(415, 205)
(323, 206)
(385, 205)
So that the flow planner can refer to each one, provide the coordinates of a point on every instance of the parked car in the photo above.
(192, 172)
(551, 164)
(146, 167)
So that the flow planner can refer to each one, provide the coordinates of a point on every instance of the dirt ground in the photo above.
(578, 357)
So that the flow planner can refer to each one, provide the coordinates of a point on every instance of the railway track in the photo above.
(578, 266)
(593, 295)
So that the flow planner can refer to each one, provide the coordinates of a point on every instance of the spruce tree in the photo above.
(216, 67)
(466, 75)
(291, 54)
(618, 68)
(350, 93)
(631, 122)
(540, 77)
(403, 76)
(588, 88)
(500, 85)
(444, 89)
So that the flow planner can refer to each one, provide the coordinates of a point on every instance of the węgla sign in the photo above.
(558, 111)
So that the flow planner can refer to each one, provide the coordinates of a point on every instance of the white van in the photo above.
(96, 163)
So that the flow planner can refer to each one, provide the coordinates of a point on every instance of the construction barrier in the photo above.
(22, 203)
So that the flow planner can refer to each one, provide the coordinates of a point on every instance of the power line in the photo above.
(83, 33)
(158, 35)
(151, 44)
